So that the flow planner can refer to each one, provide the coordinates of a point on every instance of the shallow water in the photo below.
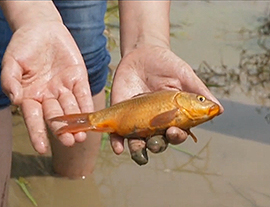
(231, 166)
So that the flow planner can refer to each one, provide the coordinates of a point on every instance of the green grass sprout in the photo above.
(23, 183)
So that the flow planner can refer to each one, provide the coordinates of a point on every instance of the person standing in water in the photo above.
(51, 50)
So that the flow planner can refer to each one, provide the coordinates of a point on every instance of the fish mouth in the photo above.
(214, 110)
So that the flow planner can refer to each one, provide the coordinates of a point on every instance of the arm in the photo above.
(43, 70)
(145, 37)
(147, 62)
(19, 13)
(144, 22)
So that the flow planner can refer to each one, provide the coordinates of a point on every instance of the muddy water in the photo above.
(231, 164)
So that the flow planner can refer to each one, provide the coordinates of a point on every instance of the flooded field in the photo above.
(229, 166)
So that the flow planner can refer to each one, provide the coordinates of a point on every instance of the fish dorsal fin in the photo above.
(163, 118)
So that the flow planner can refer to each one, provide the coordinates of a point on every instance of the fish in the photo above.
(145, 115)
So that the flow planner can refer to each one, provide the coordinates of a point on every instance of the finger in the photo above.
(11, 76)
(69, 105)
(117, 143)
(33, 116)
(83, 96)
(136, 144)
(157, 143)
(176, 135)
(137, 148)
(51, 109)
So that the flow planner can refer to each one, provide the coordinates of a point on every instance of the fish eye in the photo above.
(201, 98)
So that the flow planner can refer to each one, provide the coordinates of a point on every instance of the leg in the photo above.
(5, 153)
(85, 21)
(5, 121)
(79, 160)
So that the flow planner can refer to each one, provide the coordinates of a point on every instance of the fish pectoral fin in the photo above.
(138, 133)
(164, 118)
(72, 118)
(192, 135)
(74, 123)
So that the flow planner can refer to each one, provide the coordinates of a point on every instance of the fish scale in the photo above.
(145, 115)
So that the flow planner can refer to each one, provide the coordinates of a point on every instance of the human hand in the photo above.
(151, 68)
(44, 73)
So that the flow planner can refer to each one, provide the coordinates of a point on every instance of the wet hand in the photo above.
(151, 68)
(44, 73)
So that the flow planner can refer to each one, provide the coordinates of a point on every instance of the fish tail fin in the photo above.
(72, 118)
(78, 123)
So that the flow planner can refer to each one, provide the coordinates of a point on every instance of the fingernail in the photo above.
(117, 148)
(42, 149)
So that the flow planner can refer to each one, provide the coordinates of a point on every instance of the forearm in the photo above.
(144, 22)
(19, 13)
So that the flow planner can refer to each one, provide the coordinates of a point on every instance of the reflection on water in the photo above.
(231, 166)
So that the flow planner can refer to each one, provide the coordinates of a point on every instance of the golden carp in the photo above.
(145, 115)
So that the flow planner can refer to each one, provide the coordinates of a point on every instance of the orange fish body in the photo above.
(145, 115)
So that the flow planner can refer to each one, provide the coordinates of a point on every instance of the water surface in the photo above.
(231, 166)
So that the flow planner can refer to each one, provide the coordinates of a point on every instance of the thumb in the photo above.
(11, 77)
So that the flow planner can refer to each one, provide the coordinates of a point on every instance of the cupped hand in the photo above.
(151, 68)
(44, 73)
